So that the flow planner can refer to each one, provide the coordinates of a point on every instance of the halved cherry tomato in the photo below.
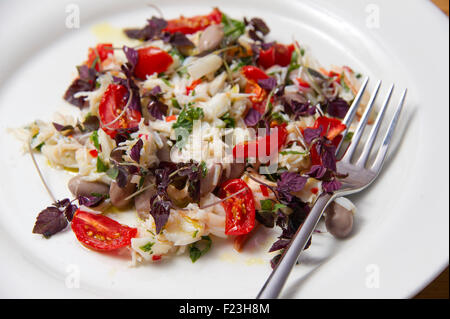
(99, 232)
(111, 106)
(193, 24)
(102, 50)
(252, 148)
(152, 60)
(277, 54)
(240, 209)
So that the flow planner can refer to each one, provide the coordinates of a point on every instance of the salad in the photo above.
(205, 129)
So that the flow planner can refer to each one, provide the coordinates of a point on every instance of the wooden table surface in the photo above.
(439, 287)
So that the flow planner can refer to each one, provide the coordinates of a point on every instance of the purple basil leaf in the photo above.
(89, 201)
(268, 84)
(157, 109)
(49, 222)
(265, 218)
(122, 176)
(327, 155)
(317, 171)
(179, 39)
(156, 91)
(279, 244)
(91, 123)
(267, 46)
(132, 56)
(157, 23)
(160, 212)
(151, 30)
(290, 182)
(86, 73)
(78, 85)
(69, 211)
(275, 260)
(338, 108)
(254, 36)
(331, 186)
(135, 152)
(310, 134)
(61, 128)
(252, 117)
(260, 25)
(118, 80)
(62, 203)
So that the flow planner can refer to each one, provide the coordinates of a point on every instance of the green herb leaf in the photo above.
(276, 116)
(233, 29)
(113, 172)
(175, 103)
(229, 121)
(266, 205)
(185, 123)
(94, 139)
(147, 247)
(101, 166)
(203, 168)
(195, 253)
(39, 147)
(349, 136)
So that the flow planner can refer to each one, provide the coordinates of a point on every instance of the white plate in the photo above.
(401, 238)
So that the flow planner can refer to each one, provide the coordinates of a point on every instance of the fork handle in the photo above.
(277, 279)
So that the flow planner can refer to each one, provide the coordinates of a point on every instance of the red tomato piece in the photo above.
(99, 232)
(193, 24)
(111, 107)
(93, 153)
(277, 54)
(240, 209)
(252, 148)
(102, 51)
(152, 60)
(331, 127)
(253, 73)
(264, 190)
(193, 85)
(303, 83)
(171, 118)
(259, 98)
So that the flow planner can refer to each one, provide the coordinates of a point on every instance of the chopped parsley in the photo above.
(232, 29)
(268, 205)
(195, 253)
(185, 124)
(229, 121)
(147, 247)
(203, 168)
(94, 139)
(101, 166)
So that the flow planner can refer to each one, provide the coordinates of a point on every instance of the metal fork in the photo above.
(359, 177)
